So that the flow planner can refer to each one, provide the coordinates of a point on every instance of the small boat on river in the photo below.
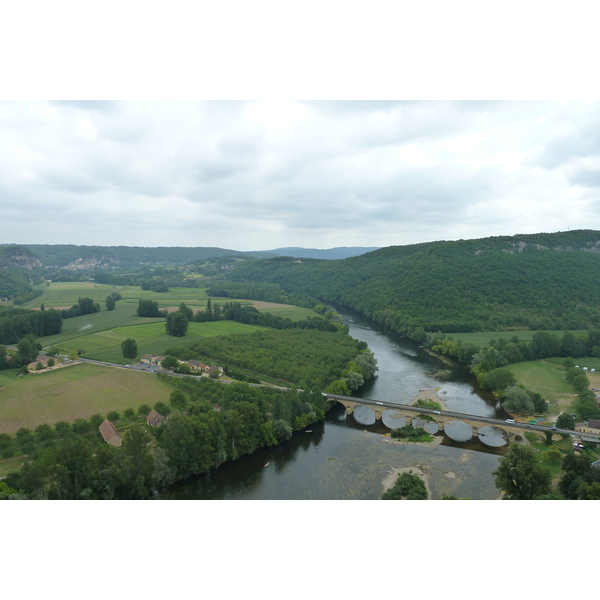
(267, 464)
(308, 431)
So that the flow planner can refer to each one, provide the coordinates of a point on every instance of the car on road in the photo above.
(553, 429)
(529, 426)
(436, 412)
(380, 403)
(509, 420)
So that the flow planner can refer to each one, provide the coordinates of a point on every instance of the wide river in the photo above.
(342, 459)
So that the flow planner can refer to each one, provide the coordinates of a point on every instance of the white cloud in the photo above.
(258, 175)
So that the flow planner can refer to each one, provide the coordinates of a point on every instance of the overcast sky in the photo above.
(262, 175)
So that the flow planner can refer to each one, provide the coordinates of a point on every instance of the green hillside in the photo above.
(537, 281)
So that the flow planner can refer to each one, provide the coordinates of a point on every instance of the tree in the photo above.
(144, 409)
(520, 476)
(162, 408)
(282, 430)
(407, 487)
(565, 421)
(113, 415)
(338, 387)
(177, 324)
(51, 362)
(28, 348)
(517, 400)
(169, 362)
(368, 363)
(129, 412)
(188, 312)
(62, 427)
(353, 380)
(110, 303)
(129, 348)
(44, 432)
(81, 426)
(73, 355)
(500, 379)
(178, 399)
(96, 420)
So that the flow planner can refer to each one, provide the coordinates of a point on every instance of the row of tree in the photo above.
(79, 465)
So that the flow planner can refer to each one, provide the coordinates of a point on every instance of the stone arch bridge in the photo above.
(441, 417)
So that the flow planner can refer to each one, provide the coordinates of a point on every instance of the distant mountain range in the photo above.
(75, 257)
(330, 254)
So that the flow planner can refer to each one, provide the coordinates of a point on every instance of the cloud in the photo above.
(258, 175)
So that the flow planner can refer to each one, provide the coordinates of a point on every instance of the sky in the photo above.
(257, 175)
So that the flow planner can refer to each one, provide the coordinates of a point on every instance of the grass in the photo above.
(11, 464)
(76, 392)
(151, 338)
(546, 377)
(482, 338)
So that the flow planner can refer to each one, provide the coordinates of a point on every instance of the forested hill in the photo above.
(72, 256)
(542, 281)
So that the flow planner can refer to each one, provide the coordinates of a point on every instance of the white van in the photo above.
(509, 420)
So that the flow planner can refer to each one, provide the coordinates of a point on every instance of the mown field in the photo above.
(546, 377)
(124, 315)
(67, 295)
(75, 392)
(482, 338)
(151, 338)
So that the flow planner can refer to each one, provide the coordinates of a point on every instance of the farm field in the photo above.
(547, 378)
(151, 338)
(482, 338)
(66, 295)
(76, 392)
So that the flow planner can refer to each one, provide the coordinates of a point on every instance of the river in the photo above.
(341, 459)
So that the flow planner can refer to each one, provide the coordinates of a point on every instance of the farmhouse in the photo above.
(155, 419)
(110, 434)
(210, 370)
(197, 366)
(152, 359)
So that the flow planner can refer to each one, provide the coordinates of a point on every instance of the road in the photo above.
(368, 401)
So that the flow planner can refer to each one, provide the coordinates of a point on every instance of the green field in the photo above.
(542, 376)
(76, 392)
(482, 338)
(151, 338)
(67, 294)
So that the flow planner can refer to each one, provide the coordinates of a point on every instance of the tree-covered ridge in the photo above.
(60, 255)
(542, 281)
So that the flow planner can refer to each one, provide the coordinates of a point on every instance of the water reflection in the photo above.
(459, 431)
(364, 415)
(492, 436)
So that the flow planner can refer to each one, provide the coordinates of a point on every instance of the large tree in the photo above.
(520, 476)
(517, 400)
(565, 421)
(177, 324)
(129, 348)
